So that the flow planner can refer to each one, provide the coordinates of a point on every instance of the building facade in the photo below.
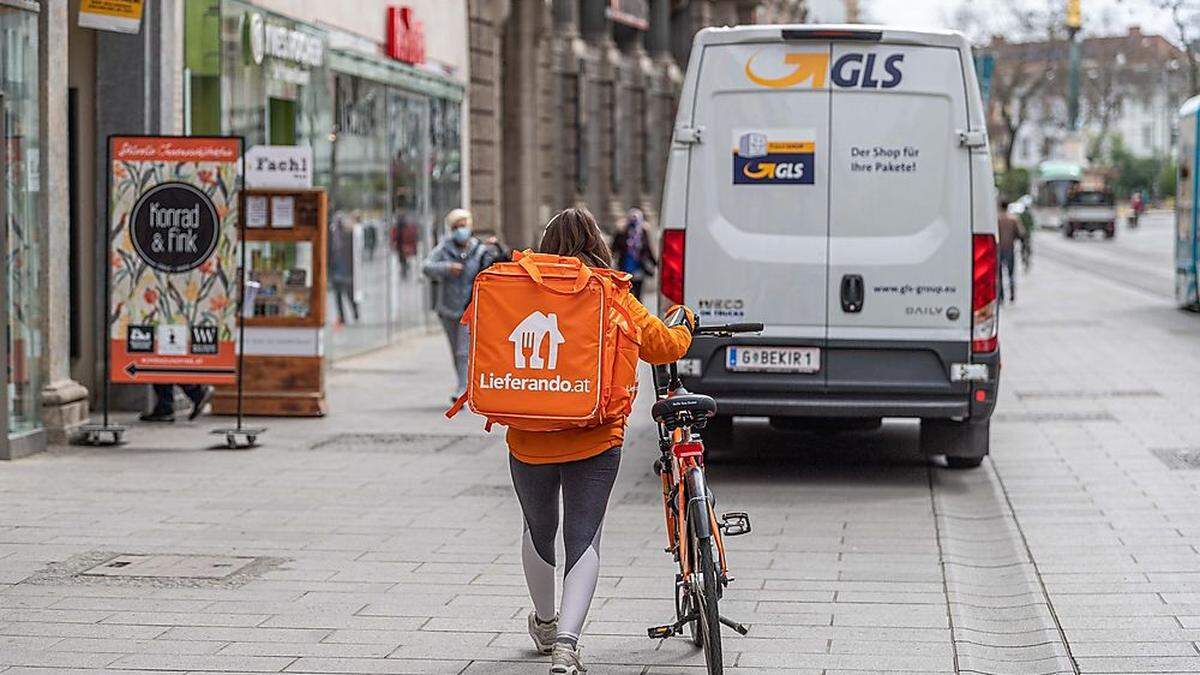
(1131, 88)
(572, 102)
(385, 119)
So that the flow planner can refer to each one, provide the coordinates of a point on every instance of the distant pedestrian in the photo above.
(1137, 205)
(404, 240)
(164, 401)
(341, 265)
(1022, 210)
(633, 252)
(1010, 231)
(453, 265)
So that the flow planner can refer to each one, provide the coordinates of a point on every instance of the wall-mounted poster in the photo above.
(174, 258)
(120, 16)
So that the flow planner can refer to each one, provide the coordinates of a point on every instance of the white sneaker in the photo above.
(566, 660)
(543, 634)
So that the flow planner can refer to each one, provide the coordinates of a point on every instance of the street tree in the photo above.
(1108, 79)
(1027, 74)
(1185, 17)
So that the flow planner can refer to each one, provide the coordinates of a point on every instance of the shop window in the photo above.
(20, 183)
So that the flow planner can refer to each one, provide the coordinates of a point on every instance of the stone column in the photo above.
(592, 21)
(566, 18)
(521, 131)
(697, 15)
(485, 23)
(64, 401)
(658, 41)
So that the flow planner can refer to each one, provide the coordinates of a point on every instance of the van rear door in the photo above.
(757, 192)
(900, 246)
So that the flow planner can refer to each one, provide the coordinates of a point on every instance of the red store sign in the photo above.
(405, 35)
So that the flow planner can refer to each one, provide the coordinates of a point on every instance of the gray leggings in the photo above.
(585, 486)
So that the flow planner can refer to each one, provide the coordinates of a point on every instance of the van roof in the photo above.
(774, 33)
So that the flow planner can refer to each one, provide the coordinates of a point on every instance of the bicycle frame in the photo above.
(689, 510)
(683, 463)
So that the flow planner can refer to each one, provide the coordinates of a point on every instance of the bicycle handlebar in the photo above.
(729, 329)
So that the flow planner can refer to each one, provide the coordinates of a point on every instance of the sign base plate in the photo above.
(101, 434)
(242, 438)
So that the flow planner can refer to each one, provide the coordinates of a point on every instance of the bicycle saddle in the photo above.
(684, 410)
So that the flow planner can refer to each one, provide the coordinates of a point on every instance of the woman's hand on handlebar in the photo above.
(682, 315)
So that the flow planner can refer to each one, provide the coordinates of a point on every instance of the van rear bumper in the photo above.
(857, 379)
(842, 405)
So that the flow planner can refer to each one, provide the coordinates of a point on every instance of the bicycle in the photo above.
(693, 530)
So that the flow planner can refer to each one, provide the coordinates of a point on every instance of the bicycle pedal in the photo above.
(735, 523)
(660, 632)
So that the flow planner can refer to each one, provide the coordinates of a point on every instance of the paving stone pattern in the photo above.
(396, 550)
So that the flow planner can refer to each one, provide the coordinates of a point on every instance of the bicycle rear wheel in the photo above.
(705, 596)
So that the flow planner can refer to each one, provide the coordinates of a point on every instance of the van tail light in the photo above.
(984, 302)
(672, 265)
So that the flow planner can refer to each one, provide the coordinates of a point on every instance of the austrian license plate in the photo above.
(773, 359)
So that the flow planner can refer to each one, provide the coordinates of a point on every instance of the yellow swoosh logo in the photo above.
(809, 65)
(764, 169)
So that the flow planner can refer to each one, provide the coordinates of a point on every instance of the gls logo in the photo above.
(853, 70)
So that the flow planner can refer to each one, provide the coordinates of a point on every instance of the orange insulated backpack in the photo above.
(552, 348)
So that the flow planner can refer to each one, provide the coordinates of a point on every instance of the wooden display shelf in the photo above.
(278, 385)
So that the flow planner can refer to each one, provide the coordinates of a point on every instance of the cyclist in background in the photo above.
(579, 463)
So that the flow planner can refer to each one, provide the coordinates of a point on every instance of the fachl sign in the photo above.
(279, 166)
(405, 35)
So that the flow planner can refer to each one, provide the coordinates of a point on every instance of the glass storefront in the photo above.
(20, 177)
(386, 143)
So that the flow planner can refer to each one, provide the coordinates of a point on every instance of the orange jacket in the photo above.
(660, 345)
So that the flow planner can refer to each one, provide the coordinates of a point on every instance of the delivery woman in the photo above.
(579, 463)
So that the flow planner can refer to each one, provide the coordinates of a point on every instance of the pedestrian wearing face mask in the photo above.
(453, 265)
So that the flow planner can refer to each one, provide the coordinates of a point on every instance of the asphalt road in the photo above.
(1140, 258)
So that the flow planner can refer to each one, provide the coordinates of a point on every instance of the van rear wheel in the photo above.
(963, 462)
(964, 444)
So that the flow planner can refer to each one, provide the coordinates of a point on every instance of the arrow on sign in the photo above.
(133, 369)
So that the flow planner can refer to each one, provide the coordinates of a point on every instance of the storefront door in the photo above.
(281, 121)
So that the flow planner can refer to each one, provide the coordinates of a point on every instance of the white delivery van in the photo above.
(835, 183)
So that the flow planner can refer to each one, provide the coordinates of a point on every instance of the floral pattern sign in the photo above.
(174, 323)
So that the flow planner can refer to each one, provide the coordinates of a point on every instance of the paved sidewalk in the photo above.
(396, 533)
(387, 537)
(1101, 379)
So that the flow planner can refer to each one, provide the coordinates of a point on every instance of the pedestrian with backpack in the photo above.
(557, 338)
(633, 252)
(453, 265)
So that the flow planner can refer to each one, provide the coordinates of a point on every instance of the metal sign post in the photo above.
(240, 436)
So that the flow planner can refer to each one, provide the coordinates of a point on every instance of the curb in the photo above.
(1001, 620)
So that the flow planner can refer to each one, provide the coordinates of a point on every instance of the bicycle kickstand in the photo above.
(741, 629)
(664, 632)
